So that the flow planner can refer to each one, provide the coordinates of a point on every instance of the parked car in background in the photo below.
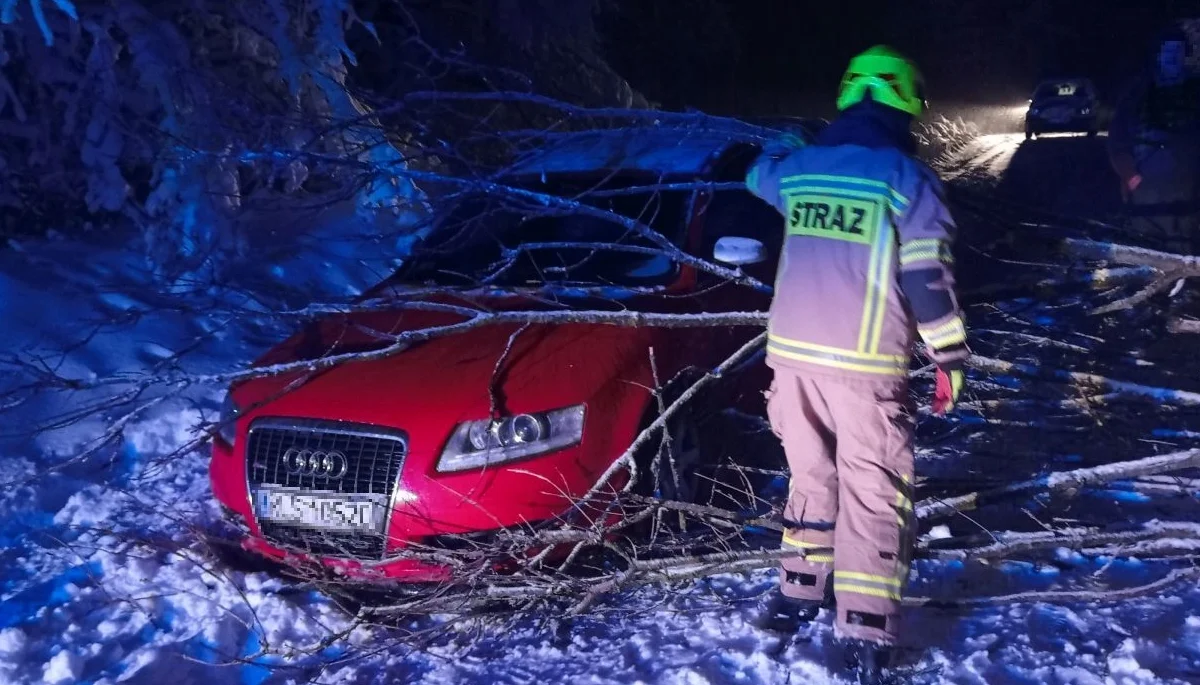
(1063, 106)
(353, 464)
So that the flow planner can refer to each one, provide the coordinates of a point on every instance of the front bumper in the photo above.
(1079, 123)
(228, 475)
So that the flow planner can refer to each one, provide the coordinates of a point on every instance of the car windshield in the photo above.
(481, 240)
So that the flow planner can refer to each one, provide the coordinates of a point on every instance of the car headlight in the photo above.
(227, 422)
(476, 444)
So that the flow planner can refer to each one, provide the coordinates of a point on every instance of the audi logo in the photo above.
(331, 465)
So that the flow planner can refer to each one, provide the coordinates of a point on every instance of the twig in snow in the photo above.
(1156, 286)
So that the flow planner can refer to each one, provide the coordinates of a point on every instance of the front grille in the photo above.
(373, 459)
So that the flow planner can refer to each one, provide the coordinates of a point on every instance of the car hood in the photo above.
(432, 385)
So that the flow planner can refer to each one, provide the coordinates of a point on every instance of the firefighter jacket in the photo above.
(866, 264)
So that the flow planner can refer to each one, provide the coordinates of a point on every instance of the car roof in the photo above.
(650, 149)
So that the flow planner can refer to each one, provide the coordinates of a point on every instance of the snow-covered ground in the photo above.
(103, 580)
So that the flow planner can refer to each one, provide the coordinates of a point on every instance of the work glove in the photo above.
(949, 385)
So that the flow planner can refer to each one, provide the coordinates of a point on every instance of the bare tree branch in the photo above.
(1059, 481)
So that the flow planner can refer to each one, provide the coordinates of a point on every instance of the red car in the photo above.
(350, 465)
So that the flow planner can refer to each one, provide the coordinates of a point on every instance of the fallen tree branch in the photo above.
(623, 461)
(401, 341)
(1062, 596)
(1166, 395)
(1156, 286)
(1178, 325)
(1136, 256)
(1099, 279)
(1007, 544)
(1063, 480)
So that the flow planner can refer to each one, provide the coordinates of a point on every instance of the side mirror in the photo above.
(739, 251)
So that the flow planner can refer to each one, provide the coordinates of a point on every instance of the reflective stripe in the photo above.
(946, 335)
(814, 347)
(920, 244)
(867, 577)
(883, 286)
(815, 558)
(925, 249)
(848, 180)
(847, 360)
(918, 257)
(868, 584)
(878, 286)
(868, 300)
(787, 537)
(865, 590)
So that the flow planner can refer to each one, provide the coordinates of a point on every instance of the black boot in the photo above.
(868, 661)
(787, 615)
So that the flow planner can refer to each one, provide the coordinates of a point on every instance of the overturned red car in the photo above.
(502, 425)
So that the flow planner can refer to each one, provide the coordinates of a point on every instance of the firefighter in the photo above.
(866, 266)
(1154, 146)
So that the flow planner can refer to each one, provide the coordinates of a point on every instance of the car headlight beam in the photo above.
(487, 442)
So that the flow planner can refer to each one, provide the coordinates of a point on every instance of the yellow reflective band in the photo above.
(821, 359)
(787, 537)
(801, 345)
(820, 558)
(882, 287)
(946, 335)
(921, 244)
(868, 300)
(916, 258)
(869, 591)
(948, 340)
(852, 180)
(925, 249)
(868, 577)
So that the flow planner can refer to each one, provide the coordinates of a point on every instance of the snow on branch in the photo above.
(1088, 380)
(938, 509)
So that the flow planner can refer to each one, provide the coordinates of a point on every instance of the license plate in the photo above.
(1059, 116)
(327, 512)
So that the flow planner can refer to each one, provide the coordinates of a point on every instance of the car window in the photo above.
(483, 240)
(1048, 91)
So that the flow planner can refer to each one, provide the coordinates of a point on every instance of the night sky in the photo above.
(783, 54)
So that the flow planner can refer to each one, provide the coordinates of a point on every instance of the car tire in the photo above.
(1028, 134)
(1093, 133)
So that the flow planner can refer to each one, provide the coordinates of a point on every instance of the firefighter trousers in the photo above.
(849, 448)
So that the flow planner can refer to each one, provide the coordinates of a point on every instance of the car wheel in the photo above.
(1093, 133)
(1028, 134)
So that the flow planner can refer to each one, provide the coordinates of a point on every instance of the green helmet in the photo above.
(891, 79)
